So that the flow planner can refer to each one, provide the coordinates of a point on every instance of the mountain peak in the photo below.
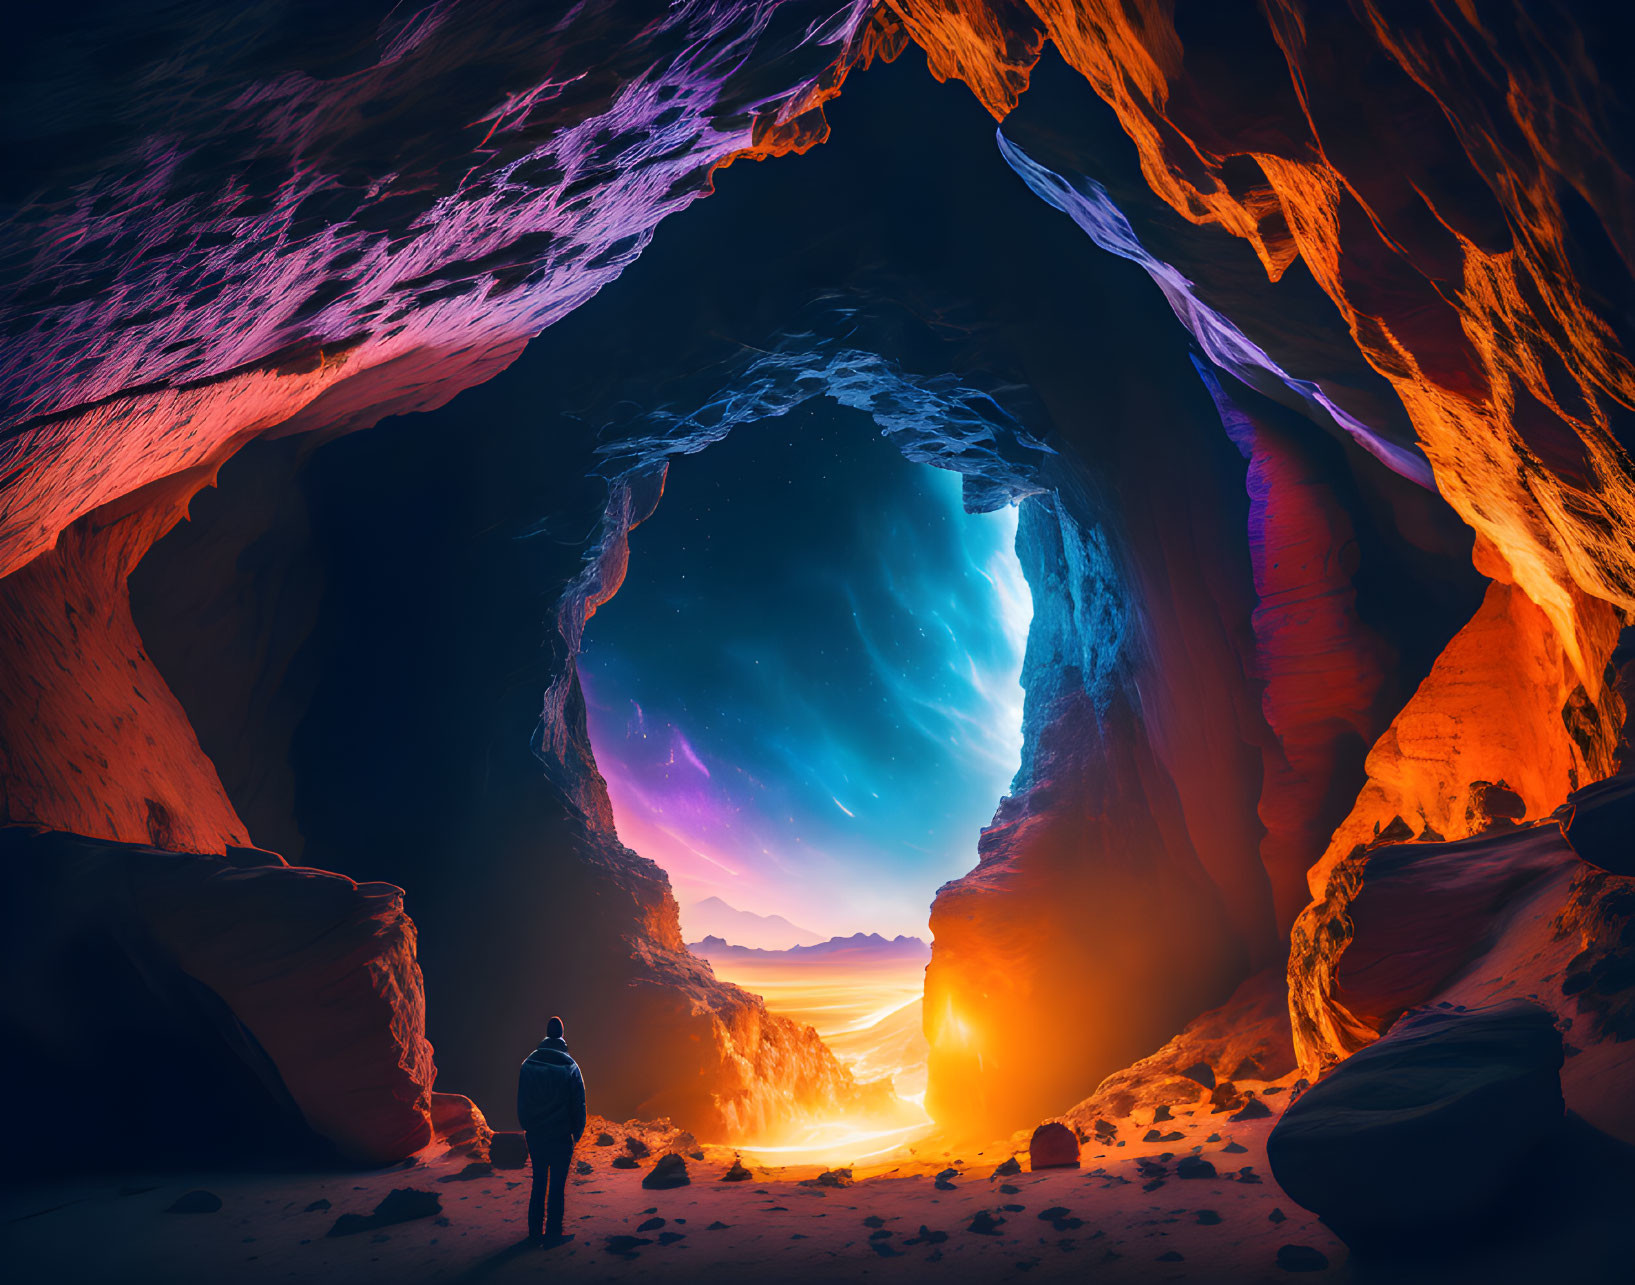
(713, 917)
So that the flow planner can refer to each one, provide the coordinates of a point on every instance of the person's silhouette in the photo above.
(551, 1107)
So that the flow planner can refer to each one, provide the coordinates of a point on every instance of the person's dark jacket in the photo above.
(551, 1092)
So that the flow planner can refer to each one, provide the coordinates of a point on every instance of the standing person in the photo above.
(551, 1107)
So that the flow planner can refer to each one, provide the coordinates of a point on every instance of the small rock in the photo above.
(604, 1139)
(1007, 1169)
(874, 1220)
(884, 1249)
(1253, 1109)
(1277, 1216)
(316, 1207)
(1171, 1257)
(927, 1237)
(1202, 1072)
(636, 1147)
(402, 1204)
(583, 1167)
(737, 1173)
(652, 1224)
(830, 1178)
(1053, 1146)
(201, 1202)
(1209, 1218)
(1007, 1189)
(945, 1179)
(1161, 1114)
(671, 1237)
(670, 1171)
(1234, 1148)
(626, 1246)
(476, 1169)
(718, 1225)
(985, 1224)
(508, 1151)
(1301, 1258)
(1194, 1167)
(1225, 1097)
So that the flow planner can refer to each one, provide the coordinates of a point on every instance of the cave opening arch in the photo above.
(444, 540)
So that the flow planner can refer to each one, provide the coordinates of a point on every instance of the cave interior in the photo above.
(1295, 345)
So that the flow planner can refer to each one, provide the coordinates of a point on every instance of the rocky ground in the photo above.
(1187, 1198)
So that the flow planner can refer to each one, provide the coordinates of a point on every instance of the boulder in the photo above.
(1427, 1130)
(402, 1205)
(508, 1150)
(280, 1004)
(670, 1171)
(1601, 820)
(1053, 1146)
(460, 1124)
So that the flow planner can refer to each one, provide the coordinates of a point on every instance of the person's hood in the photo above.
(553, 1051)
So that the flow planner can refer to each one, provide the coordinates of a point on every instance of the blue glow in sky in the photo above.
(804, 697)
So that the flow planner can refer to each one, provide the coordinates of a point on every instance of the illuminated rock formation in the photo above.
(1503, 707)
(1437, 220)
(342, 228)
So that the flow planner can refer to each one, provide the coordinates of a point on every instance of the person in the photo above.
(551, 1107)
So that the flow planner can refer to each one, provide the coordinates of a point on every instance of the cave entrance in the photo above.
(805, 701)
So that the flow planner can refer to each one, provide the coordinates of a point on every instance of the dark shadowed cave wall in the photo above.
(361, 630)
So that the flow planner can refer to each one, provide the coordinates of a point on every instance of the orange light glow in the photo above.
(870, 1017)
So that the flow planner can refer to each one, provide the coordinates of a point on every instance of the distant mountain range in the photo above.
(860, 948)
(714, 918)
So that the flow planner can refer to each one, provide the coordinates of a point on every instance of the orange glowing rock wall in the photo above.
(1426, 206)
(1503, 707)
(91, 738)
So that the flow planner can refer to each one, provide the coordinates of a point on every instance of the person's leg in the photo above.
(538, 1161)
(561, 1158)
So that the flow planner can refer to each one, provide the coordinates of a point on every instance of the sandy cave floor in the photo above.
(1130, 1222)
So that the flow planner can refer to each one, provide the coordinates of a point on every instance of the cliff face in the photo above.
(1447, 222)
(1277, 303)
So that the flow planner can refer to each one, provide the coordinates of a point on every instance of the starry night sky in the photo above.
(804, 697)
